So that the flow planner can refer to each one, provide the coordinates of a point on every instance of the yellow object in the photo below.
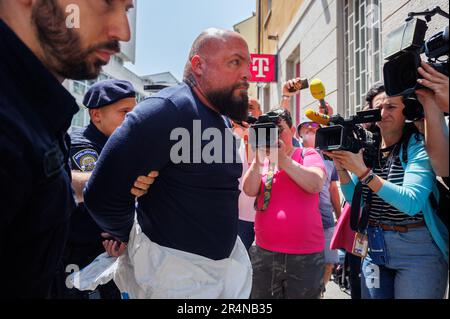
(317, 89)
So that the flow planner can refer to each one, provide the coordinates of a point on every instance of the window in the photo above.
(78, 119)
(79, 87)
(362, 51)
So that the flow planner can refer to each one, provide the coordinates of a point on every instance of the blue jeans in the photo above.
(416, 268)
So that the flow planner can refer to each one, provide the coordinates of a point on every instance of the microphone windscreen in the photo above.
(317, 89)
(317, 117)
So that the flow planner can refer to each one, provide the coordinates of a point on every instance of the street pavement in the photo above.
(334, 292)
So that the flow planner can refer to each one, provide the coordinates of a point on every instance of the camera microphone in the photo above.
(317, 117)
(318, 92)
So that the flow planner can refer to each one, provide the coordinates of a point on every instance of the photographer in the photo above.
(408, 255)
(435, 101)
(288, 259)
(329, 198)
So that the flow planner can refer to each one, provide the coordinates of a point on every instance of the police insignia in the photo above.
(86, 160)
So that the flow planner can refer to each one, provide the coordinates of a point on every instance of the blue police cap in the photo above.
(107, 92)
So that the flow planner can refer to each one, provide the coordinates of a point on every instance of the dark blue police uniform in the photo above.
(85, 241)
(35, 181)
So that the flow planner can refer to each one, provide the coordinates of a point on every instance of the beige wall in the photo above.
(249, 30)
(275, 21)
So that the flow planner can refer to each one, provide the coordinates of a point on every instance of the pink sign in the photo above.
(263, 68)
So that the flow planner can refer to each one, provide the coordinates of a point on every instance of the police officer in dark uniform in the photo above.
(35, 185)
(108, 103)
(35, 112)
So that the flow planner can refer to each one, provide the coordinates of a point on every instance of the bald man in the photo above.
(192, 211)
(254, 107)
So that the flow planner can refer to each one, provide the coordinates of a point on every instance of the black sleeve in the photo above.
(141, 145)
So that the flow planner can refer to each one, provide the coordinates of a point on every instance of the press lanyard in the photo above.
(267, 189)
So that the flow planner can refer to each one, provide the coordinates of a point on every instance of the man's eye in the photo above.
(236, 62)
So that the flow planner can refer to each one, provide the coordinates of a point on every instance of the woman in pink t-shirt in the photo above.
(288, 260)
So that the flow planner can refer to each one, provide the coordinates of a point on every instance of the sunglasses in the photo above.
(311, 125)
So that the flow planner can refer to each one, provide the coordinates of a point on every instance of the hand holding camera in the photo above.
(439, 86)
(349, 161)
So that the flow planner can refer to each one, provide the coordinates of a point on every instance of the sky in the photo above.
(166, 30)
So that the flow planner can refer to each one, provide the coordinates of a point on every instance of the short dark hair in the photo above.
(408, 131)
(376, 89)
(283, 114)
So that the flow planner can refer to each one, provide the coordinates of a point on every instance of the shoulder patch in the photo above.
(86, 160)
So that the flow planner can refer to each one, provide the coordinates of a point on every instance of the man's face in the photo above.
(225, 81)
(254, 108)
(79, 53)
(308, 134)
(109, 118)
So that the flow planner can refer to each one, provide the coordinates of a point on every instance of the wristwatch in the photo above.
(366, 180)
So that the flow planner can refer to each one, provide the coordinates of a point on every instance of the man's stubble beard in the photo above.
(62, 48)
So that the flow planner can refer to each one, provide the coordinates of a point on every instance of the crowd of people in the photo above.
(259, 226)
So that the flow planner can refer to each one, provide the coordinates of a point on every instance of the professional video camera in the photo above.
(403, 49)
(264, 132)
(251, 119)
(348, 135)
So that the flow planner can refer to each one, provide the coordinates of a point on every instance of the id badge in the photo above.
(360, 245)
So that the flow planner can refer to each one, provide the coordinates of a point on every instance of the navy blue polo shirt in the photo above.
(193, 205)
(87, 144)
(36, 197)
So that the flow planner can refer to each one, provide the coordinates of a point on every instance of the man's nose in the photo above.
(119, 27)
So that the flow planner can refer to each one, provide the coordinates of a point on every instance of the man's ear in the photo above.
(197, 65)
(95, 116)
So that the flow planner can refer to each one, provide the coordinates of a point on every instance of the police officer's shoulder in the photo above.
(83, 153)
(84, 159)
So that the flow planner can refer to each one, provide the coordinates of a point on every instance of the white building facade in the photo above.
(341, 43)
